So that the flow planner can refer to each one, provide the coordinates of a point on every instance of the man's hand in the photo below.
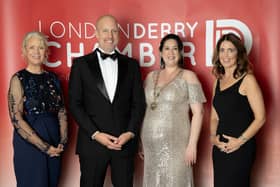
(109, 141)
(124, 137)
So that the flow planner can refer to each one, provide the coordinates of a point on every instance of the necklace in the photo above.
(156, 94)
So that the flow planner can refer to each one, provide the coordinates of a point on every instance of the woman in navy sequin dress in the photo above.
(39, 118)
(237, 114)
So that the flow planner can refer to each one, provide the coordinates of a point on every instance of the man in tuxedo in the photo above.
(106, 98)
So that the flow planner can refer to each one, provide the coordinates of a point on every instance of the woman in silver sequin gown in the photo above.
(169, 137)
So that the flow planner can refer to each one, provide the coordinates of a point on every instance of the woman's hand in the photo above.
(141, 154)
(190, 155)
(61, 146)
(140, 150)
(55, 151)
(233, 144)
(215, 140)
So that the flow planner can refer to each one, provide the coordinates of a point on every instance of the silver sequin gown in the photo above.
(165, 133)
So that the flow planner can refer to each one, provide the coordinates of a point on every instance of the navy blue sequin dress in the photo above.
(39, 118)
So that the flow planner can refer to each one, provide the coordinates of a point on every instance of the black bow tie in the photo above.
(104, 55)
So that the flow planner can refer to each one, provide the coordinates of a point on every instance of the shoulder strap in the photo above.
(238, 83)
(217, 85)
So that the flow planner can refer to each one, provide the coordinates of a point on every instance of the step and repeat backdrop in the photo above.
(70, 27)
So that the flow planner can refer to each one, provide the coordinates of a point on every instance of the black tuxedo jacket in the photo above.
(92, 109)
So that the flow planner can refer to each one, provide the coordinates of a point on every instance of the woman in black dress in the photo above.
(237, 113)
(39, 118)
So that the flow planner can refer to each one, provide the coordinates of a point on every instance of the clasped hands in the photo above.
(112, 142)
(232, 145)
(55, 151)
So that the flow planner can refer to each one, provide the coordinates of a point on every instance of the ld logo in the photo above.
(215, 29)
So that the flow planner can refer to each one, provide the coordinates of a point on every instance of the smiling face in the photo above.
(35, 51)
(228, 54)
(107, 33)
(170, 53)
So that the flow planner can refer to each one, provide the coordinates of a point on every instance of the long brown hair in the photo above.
(243, 63)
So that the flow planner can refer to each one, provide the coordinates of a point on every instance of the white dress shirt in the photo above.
(109, 70)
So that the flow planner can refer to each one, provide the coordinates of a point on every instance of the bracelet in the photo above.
(244, 139)
(94, 134)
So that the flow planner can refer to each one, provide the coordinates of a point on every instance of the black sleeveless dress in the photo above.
(235, 115)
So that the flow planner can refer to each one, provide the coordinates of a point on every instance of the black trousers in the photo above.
(93, 170)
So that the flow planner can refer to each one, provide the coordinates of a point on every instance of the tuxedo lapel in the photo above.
(96, 72)
(121, 74)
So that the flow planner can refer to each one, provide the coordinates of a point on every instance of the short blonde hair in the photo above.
(35, 34)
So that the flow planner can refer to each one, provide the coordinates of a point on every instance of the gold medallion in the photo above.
(153, 105)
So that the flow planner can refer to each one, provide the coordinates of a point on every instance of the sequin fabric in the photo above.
(35, 98)
(165, 133)
(42, 92)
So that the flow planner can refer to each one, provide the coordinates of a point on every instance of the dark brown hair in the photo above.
(180, 48)
(243, 63)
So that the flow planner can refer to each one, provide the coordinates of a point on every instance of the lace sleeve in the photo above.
(62, 114)
(15, 104)
(63, 126)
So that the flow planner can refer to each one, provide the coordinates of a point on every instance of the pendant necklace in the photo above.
(156, 94)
